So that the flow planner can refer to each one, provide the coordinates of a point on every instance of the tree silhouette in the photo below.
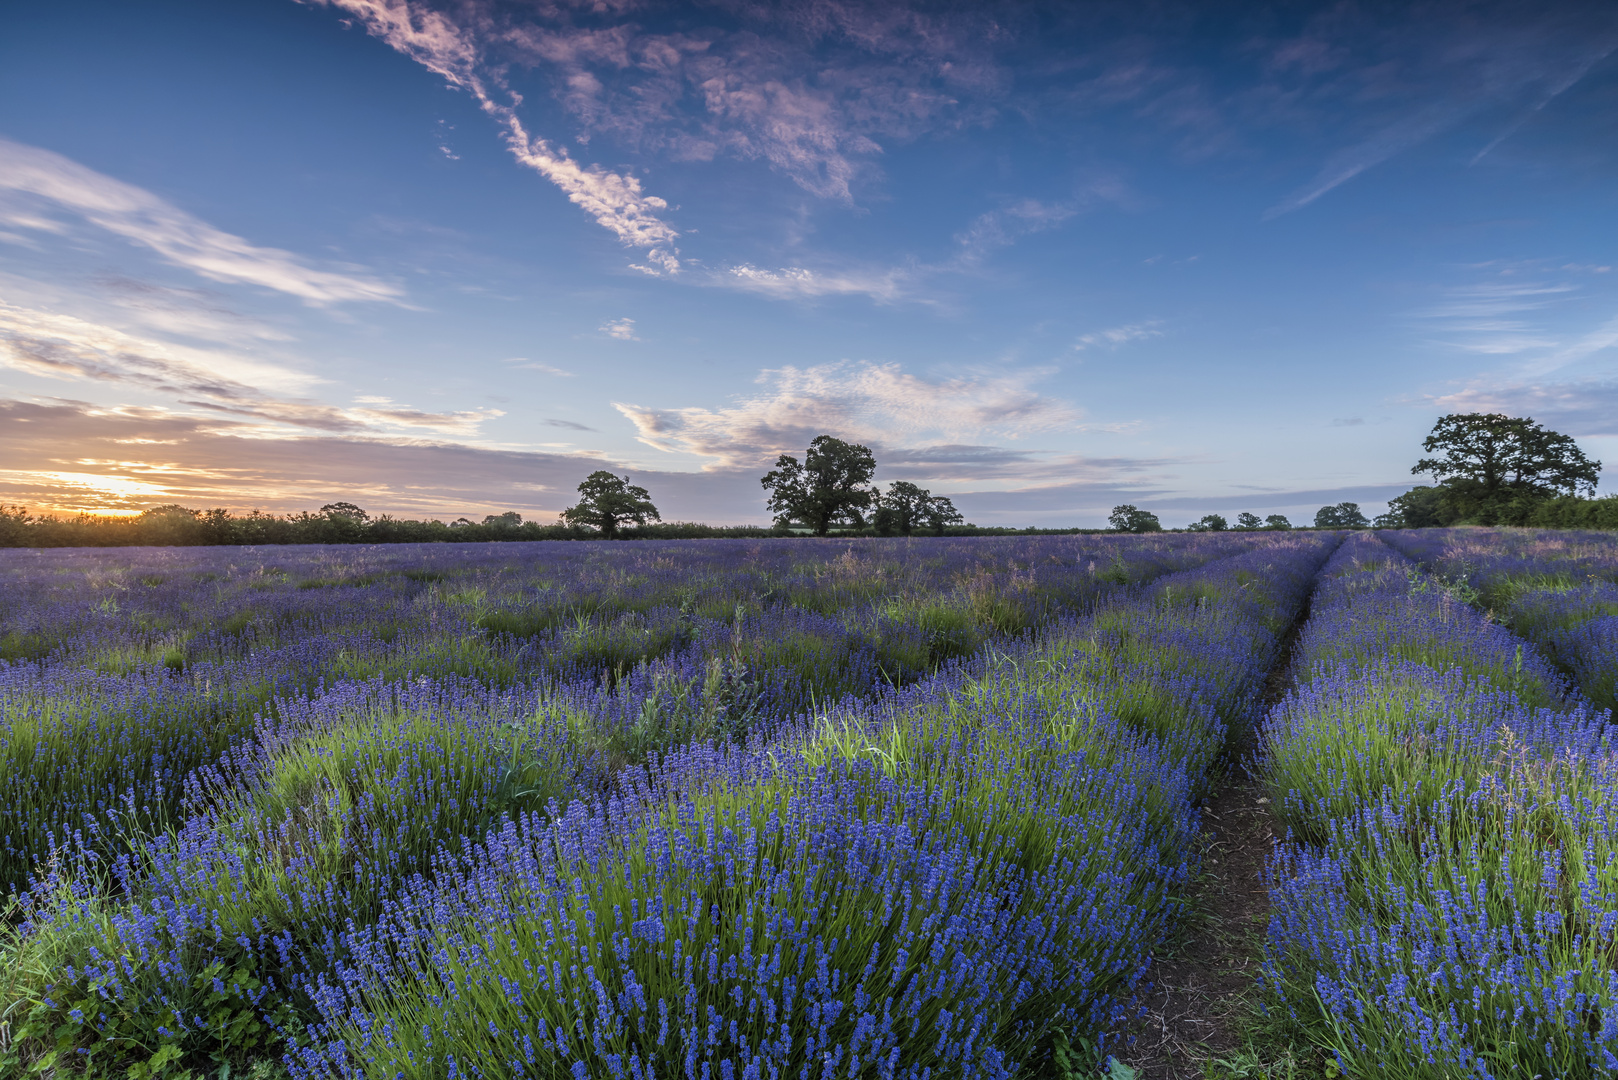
(827, 488)
(906, 507)
(609, 501)
(1345, 515)
(1491, 466)
(1132, 519)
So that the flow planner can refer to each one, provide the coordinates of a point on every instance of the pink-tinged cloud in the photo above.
(67, 456)
(455, 51)
(217, 381)
(71, 456)
(878, 404)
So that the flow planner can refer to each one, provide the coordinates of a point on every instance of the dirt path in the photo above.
(1205, 983)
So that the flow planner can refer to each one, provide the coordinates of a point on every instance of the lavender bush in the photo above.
(237, 776)
(1445, 903)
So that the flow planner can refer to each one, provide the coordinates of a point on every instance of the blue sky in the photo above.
(443, 260)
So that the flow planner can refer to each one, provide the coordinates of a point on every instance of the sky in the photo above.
(445, 259)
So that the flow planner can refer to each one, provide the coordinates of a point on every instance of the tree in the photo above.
(336, 510)
(1208, 523)
(1132, 519)
(940, 513)
(827, 488)
(906, 507)
(901, 509)
(508, 520)
(1277, 521)
(609, 501)
(1345, 515)
(1419, 508)
(1489, 461)
(1246, 522)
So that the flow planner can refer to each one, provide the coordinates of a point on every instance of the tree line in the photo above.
(1488, 468)
(830, 487)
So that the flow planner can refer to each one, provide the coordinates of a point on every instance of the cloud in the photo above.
(456, 53)
(1580, 407)
(1602, 337)
(569, 424)
(877, 404)
(798, 283)
(1434, 74)
(620, 329)
(73, 456)
(34, 181)
(810, 89)
(1119, 335)
(984, 234)
(538, 365)
(215, 381)
(1025, 217)
(1399, 136)
(1488, 318)
(961, 466)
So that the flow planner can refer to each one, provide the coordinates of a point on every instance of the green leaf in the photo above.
(159, 1060)
(1117, 1070)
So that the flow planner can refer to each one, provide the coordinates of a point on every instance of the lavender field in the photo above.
(842, 808)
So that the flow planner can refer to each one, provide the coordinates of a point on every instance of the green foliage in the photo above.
(1570, 512)
(60, 1028)
(1246, 522)
(827, 488)
(606, 502)
(906, 508)
(1419, 508)
(1209, 523)
(1277, 521)
(1132, 519)
(1497, 455)
(1344, 515)
(1497, 470)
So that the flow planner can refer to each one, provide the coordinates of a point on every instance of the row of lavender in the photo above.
(221, 835)
(131, 669)
(1447, 899)
(951, 880)
(1558, 588)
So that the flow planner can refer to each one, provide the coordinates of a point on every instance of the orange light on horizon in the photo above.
(88, 493)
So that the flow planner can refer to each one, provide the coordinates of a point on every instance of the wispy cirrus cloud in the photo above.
(879, 404)
(1522, 310)
(215, 381)
(539, 366)
(34, 183)
(1430, 76)
(1586, 345)
(799, 283)
(456, 50)
(1114, 336)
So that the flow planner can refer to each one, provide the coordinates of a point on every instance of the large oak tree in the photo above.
(828, 487)
(1490, 466)
(609, 501)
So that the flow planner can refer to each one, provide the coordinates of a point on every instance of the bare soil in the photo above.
(1205, 984)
